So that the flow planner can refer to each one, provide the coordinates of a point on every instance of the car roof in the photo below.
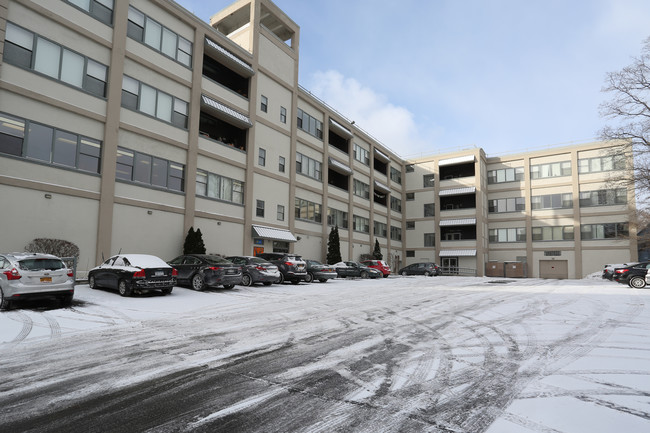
(25, 255)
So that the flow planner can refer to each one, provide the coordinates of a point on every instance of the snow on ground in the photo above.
(593, 334)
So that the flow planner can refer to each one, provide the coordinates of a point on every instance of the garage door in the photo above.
(557, 269)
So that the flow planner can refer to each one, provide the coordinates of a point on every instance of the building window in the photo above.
(259, 208)
(507, 235)
(144, 29)
(553, 233)
(337, 218)
(361, 189)
(600, 164)
(395, 175)
(410, 168)
(604, 231)
(140, 97)
(429, 239)
(429, 209)
(264, 104)
(395, 233)
(280, 212)
(309, 167)
(261, 159)
(283, 115)
(380, 229)
(361, 154)
(48, 144)
(219, 187)
(395, 204)
(552, 201)
(281, 164)
(410, 225)
(603, 197)
(505, 175)
(410, 196)
(142, 168)
(309, 124)
(308, 211)
(503, 205)
(54, 60)
(410, 253)
(428, 180)
(360, 224)
(101, 10)
(555, 169)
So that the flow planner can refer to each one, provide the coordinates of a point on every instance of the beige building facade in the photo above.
(125, 123)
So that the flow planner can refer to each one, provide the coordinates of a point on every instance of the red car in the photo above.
(378, 264)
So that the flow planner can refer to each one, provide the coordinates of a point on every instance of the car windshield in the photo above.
(258, 261)
(41, 264)
(216, 260)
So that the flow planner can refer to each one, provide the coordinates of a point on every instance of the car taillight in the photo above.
(288, 263)
(174, 272)
(621, 271)
(12, 274)
(260, 268)
(215, 268)
(70, 274)
(139, 274)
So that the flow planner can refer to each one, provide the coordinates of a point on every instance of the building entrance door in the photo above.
(450, 265)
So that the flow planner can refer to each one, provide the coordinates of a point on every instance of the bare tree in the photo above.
(629, 111)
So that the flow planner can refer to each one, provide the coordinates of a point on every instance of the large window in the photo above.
(144, 29)
(219, 187)
(24, 138)
(309, 124)
(604, 231)
(555, 169)
(381, 229)
(395, 233)
(395, 204)
(429, 209)
(507, 235)
(101, 10)
(360, 224)
(395, 175)
(429, 239)
(553, 233)
(308, 166)
(307, 210)
(428, 180)
(505, 175)
(603, 197)
(552, 201)
(153, 102)
(28, 50)
(361, 189)
(603, 163)
(337, 218)
(142, 168)
(503, 205)
(361, 154)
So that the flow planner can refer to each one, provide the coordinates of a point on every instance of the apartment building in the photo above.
(125, 123)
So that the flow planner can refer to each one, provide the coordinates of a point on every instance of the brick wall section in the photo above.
(4, 6)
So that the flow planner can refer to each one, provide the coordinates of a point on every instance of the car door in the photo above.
(190, 266)
(102, 272)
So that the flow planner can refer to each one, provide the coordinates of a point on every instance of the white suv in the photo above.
(34, 276)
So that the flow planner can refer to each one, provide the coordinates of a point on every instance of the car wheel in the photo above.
(198, 282)
(295, 282)
(281, 279)
(427, 274)
(5, 304)
(404, 273)
(246, 280)
(323, 280)
(267, 283)
(385, 275)
(309, 277)
(637, 282)
(124, 288)
(364, 274)
(167, 290)
(228, 286)
(66, 301)
(91, 282)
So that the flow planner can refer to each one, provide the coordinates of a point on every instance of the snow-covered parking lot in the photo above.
(403, 354)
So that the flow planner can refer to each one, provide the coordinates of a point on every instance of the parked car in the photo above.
(425, 268)
(632, 275)
(256, 270)
(378, 264)
(318, 271)
(354, 269)
(206, 270)
(34, 276)
(292, 268)
(608, 270)
(133, 273)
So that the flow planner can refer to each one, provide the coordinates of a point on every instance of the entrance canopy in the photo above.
(273, 233)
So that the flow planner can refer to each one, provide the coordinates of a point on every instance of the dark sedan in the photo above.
(632, 275)
(354, 269)
(427, 269)
(318, 271)
(133, 273)
(205, 270)
(256, 270)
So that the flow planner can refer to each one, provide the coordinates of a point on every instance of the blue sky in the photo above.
(429, 76)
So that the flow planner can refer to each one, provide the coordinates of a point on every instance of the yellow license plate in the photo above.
(46, 279)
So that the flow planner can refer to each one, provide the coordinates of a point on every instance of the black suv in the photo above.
(632, 275)
(292, 267)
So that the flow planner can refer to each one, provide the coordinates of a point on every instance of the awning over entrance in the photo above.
(458, 253)
(273, 233)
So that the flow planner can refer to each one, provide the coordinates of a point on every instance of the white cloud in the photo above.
(393, 126)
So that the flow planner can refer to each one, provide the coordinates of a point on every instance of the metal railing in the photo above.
(466, 272)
